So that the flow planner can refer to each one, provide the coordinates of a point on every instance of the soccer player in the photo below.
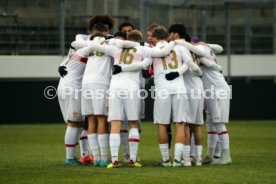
(95, 85)
(168, 79)
(126, 27)
(124, 126)
(151, 40)
(218, 105)
(195, 99)
(69, 93)
(124, 88)
(107, 20)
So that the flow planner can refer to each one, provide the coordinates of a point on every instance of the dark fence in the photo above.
(23, 101)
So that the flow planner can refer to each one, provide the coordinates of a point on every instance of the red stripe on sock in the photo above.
(225, 132)
(133, 140)
(123, 131)
(212, 133)
(70, 145)
(83, 137)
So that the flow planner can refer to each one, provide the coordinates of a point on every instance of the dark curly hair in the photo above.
(103, 19)
(181, 30)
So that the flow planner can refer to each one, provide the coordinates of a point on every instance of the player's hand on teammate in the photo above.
(116, 69)
(62, 71)
(171, 76)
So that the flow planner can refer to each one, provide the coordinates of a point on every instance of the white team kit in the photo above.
(218, 100)
(124, 87)
(170, 95)
(69, 88)
(95, 84)
(195, 98)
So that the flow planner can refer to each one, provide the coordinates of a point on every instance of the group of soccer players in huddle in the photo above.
(101, 95)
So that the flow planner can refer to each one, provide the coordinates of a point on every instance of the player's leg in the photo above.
(162, 117)
(70, 139)
(74, 119)
(85, 158)
(187, 147)
(132, 109)
(114, 142)
(71, 133)
(164, 145)
(179, 144)
(197, 129)
(93, 138)
(224, 144)
(124, 140)
(217, 150)
(86, 109)
(223, 105)
(116, 115)
(211, 142)
(103, 139)
(100, 106)
(180, 114)
(133, 140)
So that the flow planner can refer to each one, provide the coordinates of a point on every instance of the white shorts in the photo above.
(70, 105)
(217, 110)
(174, 105)
(94, 99)
(126, 105)
(195, 105)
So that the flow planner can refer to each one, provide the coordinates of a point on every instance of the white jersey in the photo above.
(75, 67)
(124, 57)
(212, 77)
(193, 83)
(171, 63)
(98, 69)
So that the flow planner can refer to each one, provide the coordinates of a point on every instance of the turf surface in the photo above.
(35, 154)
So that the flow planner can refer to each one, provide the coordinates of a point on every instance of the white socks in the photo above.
(114, 141)
(70, 140)
(94, 147)
(178, 151)
(212, 139)
(186, 153)
(103, 140)
(83, 142)
(198, 152)
(223, 139)
(164, 149)
(133, 141)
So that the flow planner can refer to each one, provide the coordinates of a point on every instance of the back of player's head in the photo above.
(104, 19)
(195, 39)
(135, 36)
(152, 27)
(181, 30)
(99, 27)
(120, 35)
(178, 28)
(126, 24)
(160, 33)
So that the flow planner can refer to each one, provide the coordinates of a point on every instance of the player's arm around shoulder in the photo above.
(164, 51)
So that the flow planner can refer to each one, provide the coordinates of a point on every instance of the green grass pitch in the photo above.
(35, 153)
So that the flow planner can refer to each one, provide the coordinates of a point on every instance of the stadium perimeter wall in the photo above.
(23, 80)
